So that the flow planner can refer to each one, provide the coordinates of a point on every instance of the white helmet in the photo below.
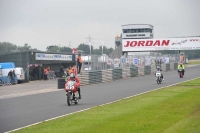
(72, 76)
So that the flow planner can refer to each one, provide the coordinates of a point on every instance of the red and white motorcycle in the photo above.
(72, 92)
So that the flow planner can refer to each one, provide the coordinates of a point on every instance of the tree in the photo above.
(53, 48)
(26, 47)
(106, 50)
(6, 47)
(65, 49)
(85, 48)
(96, 52)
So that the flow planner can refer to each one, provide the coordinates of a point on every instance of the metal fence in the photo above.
(104, 62)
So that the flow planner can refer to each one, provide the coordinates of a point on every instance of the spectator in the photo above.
(67, 74)
(45, 73)
(61, 71)
(79, 63)
(69, 70)
(10, 76)
(74, 69)
(54, 75)
(36, 73)
(13, 73)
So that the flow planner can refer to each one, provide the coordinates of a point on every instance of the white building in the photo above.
(137, 31)
(133, 31)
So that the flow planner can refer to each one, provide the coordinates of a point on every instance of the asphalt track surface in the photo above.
(21, 111)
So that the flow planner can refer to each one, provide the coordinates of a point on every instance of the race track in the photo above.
(22, 111)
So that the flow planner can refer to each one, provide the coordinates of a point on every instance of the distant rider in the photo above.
(181, 66)
(74, 78)
(158, 69)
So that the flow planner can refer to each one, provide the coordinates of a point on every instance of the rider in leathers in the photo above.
(181, 66)
(74, 78)
(158, 69)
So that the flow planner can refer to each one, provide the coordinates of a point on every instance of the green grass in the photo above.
(173, 109)
(191, 62)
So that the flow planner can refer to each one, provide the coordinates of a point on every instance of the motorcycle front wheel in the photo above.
(69, 99)
(180, 74)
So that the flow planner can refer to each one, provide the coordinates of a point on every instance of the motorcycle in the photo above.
(158, 77)
(180, 72)
(72, 93)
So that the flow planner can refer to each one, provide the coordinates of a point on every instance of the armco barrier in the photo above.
(167, 67)
(125, 73)
(141, 71)
(147, 70)
(133, 71)
(163, 66)
(94, 77)
(175, 66)
(171, 66)
(107, 75)
(117, 73)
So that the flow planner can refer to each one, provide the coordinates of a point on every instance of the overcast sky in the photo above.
(42, 23)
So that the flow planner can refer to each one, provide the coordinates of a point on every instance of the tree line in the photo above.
(7, 47)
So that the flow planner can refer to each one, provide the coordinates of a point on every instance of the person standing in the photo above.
(61, 71)
(10, 76)
(45, 73)
(79, 63)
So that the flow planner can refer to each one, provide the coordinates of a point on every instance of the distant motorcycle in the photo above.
(158, 77)
(72, 93)
(180, 72)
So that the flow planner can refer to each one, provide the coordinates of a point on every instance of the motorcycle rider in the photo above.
(74, 78)
(181, 66)
(158, 69)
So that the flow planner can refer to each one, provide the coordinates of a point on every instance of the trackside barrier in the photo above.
(95, 77)
(175, 66)
(171, 66)
(147, 70)
(107, 75)
(141, 71)
(167, 67)
(102, 76)
(134, 71)
(117, 73)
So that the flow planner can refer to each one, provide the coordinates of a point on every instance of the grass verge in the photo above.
(191, 62)
(173, 109)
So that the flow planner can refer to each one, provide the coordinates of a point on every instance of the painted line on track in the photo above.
(100, 105)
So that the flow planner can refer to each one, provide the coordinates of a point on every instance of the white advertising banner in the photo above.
(109, 61)
(43, 56)
(147, 61)
(135, 61)
(116, 62)
(190, 43)
(165, 60)
(138, 35)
